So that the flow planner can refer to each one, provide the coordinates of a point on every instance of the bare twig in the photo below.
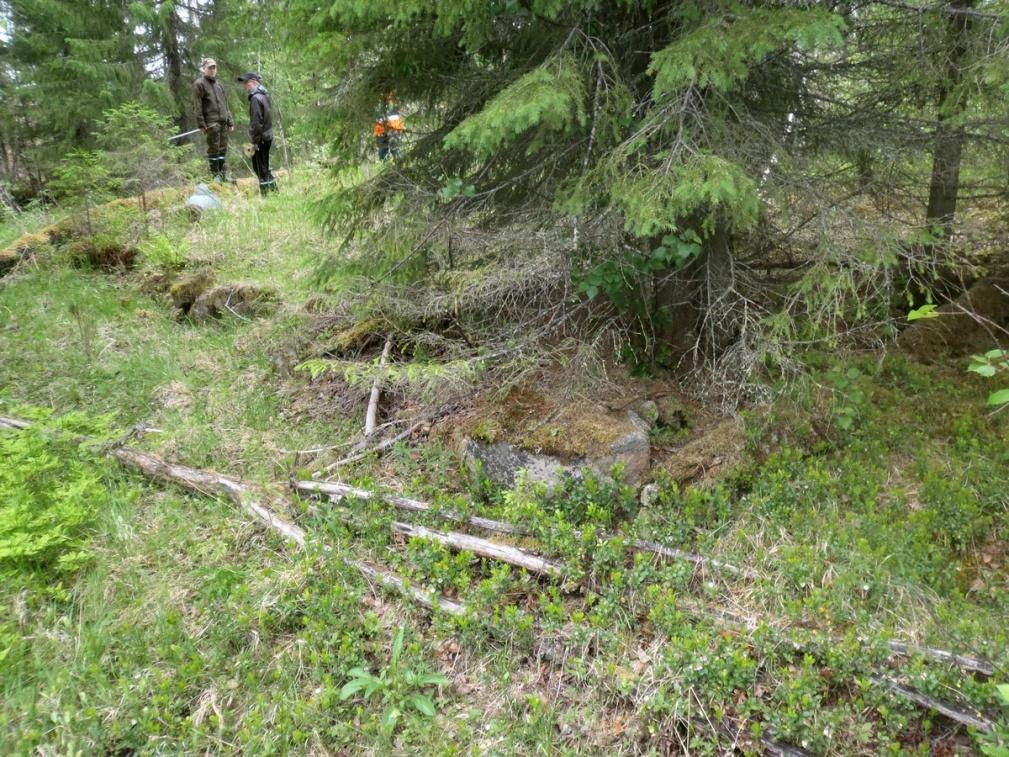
(382, 445)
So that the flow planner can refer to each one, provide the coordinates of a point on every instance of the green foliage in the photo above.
(397, 687)
(996, 744)
(134, 140)
(616, 278)
(848, 398)
(704, 185)
(51, 490)
(988, 365)
(82, 180)
(723, 49)
(550, 99)
(922, 313)
(164, 251)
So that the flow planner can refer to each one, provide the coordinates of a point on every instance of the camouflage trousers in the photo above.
(217, 141)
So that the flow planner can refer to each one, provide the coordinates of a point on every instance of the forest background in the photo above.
(781, 213)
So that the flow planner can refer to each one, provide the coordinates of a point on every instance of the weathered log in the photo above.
(700, 561)
(953, 713)
(964, 662)
(244, 495)
(376, 390)
(397, 584)
(484, 548)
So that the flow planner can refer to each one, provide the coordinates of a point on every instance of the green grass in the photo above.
(188, 629)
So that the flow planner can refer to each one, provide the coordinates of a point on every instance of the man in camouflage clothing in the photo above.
(210, 105)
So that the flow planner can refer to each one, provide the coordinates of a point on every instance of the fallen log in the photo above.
(964, 662)
(484, 548)
(953, 713)
(421, 597)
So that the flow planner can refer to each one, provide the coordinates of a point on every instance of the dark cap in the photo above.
(250, 76)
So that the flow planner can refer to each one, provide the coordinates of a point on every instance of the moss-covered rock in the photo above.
(241, 299)
(185, 291)
(628, 447)
(363, 334)
(550, 436)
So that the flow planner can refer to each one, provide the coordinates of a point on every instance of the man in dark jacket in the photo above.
(260, 130)
(213, 116)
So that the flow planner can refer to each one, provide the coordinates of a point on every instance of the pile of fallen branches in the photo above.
(262, 503)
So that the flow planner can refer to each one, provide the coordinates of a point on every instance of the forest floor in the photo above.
(170, 622)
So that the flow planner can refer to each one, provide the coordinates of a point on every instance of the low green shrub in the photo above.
(50, 492)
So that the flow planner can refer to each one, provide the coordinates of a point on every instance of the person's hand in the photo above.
(231, 128)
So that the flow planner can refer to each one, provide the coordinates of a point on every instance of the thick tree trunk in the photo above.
(949, 136)
(173, 70)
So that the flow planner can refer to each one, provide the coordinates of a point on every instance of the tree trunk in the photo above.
(173, 70)
(949, 137)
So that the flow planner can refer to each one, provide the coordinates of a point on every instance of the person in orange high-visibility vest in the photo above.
(389, 128)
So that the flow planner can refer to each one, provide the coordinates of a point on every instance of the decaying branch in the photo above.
(376, 390)
(485, 548)
(360, 454)
(953, 713)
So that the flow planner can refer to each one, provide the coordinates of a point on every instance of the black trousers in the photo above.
(261, 165)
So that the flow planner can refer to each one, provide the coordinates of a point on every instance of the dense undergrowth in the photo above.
(141, 619)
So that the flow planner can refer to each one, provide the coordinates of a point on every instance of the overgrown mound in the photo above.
(975, 322)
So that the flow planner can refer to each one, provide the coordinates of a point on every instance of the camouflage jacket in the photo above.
(210, 105)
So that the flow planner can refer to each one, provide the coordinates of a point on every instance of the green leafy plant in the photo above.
(83, 180)
(399, 688)
(988, 365)
(50, 493)
(611, 277)
(164, 252)
(848, 397)
(996, 743)
(923, 313)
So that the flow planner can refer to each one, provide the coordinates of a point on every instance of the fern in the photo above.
(51, 491)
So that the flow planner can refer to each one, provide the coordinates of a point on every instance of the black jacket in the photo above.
(260, 116)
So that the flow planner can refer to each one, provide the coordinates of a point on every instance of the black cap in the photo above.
(250, 76)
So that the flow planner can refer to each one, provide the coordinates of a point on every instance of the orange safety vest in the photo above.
(388, 117)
